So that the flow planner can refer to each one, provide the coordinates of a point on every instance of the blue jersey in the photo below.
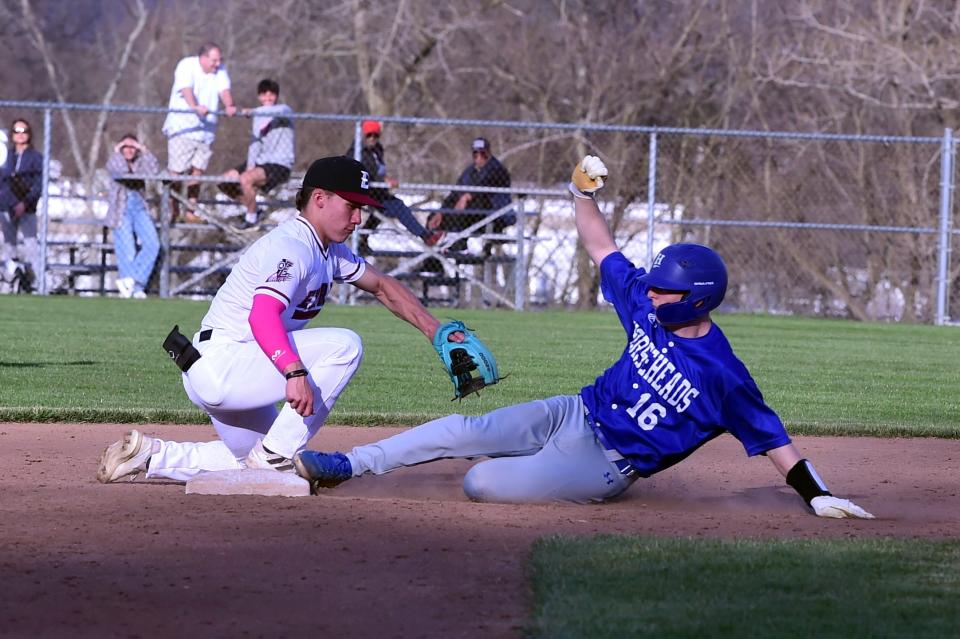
(666, 396)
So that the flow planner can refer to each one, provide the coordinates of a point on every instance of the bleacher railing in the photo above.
(809, 223)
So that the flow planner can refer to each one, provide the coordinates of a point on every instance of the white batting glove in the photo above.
(829, 506)
(588, 176)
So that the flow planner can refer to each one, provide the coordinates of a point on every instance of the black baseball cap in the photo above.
(480, 144)
(344, 176)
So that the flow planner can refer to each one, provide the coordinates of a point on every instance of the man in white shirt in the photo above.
(200, 83)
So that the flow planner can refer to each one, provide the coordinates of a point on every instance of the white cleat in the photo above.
(11, 268)
(127, 456)
(263, 458)
(125, 287)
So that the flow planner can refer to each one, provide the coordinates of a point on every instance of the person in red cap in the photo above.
(371, 156)
(253, 350)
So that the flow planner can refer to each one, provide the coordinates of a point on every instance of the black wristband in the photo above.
(300, 372)
(805, 480)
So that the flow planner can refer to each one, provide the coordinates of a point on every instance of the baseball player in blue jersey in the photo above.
(676, 386)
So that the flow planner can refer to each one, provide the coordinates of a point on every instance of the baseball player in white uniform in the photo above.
(252, 349)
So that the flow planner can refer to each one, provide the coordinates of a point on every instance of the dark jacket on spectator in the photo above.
(373, 163)
(21, 180)
(491, 174)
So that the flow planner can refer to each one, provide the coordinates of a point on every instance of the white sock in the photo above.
(251, 218)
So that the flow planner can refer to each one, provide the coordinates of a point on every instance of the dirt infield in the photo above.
(402, 555)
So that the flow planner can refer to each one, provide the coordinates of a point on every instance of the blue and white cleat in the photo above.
(323, 470)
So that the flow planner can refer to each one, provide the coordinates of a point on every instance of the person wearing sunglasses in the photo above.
(129, 218)
(20, 188)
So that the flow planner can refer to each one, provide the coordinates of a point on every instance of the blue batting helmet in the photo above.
(694, 269)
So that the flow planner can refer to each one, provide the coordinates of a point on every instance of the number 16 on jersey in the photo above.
(648, 417)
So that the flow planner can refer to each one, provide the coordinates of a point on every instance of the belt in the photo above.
(624, 467)
(206, 334)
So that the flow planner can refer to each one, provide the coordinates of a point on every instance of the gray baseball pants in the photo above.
(542, 450)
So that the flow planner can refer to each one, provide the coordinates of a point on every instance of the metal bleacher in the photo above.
(195, 259)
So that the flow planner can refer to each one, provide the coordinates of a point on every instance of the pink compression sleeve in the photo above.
(268, 330)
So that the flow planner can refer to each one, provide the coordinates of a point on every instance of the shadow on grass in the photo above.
(82, 362)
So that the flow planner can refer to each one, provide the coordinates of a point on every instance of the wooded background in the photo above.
(856, 67)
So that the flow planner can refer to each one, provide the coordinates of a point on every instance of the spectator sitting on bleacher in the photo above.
(371, 157)
(21, 183)
(269, 157)
(485, 170)
(128, 217)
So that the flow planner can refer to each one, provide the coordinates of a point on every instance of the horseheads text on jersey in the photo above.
(654, 367)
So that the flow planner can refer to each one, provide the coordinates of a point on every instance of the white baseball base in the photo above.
(248, 482)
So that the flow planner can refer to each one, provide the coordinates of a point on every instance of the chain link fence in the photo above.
(820, 226)
(477, 213)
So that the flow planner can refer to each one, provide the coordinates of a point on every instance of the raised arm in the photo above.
(117, 165)
(592, 228)
(147, 163)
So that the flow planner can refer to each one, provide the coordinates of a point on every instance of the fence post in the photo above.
(946, 204)
(45, 202)
(349, 293)
(519, 265)
(651, 195)
(165, 221)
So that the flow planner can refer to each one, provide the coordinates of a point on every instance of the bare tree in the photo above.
(85, 164)
(844, 67)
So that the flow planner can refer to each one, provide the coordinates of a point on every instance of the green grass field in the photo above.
(639, 587)
(100, 360)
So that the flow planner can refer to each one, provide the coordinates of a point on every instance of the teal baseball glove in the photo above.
(462, 359)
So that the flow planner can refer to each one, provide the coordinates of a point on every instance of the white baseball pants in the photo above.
(238, 386)
(543, 451)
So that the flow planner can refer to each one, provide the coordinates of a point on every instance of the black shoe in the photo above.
(242, 224)
(431, 265)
